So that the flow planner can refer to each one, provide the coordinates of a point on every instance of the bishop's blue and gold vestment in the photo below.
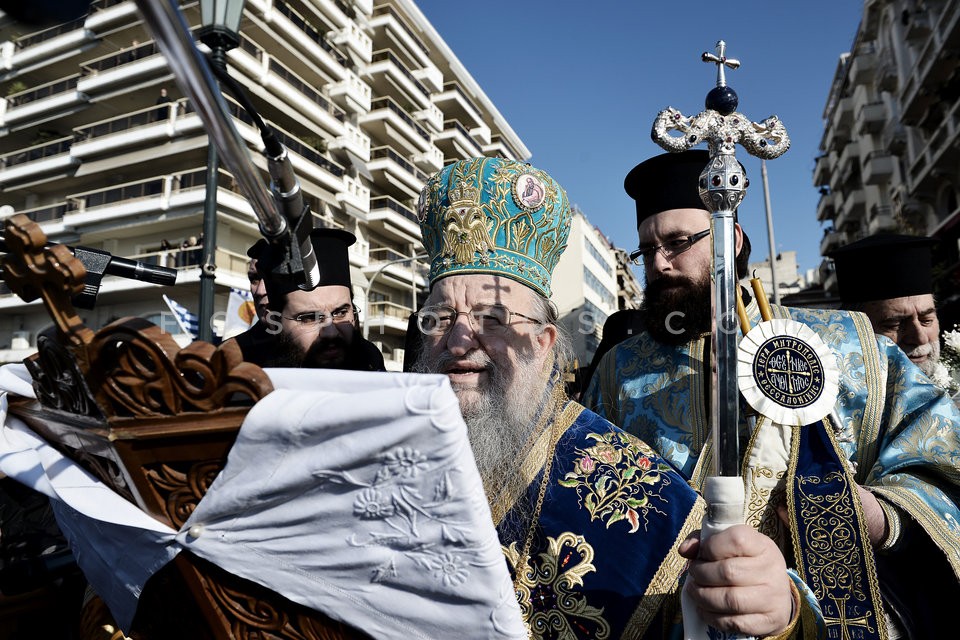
(600, 560)
(898, 433)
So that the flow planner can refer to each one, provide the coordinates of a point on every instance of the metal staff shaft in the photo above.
(724, 390)
(166, 24)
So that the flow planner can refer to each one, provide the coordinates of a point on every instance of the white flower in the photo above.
(952, 340)
(450, 569)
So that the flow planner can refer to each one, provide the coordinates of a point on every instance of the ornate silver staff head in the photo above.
(723, 183)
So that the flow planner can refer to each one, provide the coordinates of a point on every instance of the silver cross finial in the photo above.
(721, 61)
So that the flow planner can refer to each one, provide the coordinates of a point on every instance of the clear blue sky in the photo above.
(582, 81)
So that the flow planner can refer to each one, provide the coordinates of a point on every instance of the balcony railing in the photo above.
(128, 121)
(381, 56)
(311, 32)
(114, 60)
(387, 10)
(387, 152)
(51, 213)
(386, 202)
(44, 91)
(48, 34)
(378, 310)
(38, 152)
(455, 86)
(389, 103)
(385, 254)
(307, 90)
(455, 124)
(136, 191)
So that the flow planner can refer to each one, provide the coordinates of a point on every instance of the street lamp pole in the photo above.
(366, 290)
(221, 24)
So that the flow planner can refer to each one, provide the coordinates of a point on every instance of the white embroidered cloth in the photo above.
(352, 493)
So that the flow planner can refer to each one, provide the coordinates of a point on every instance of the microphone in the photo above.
(92, 259)
(98, 263)
(286, 191)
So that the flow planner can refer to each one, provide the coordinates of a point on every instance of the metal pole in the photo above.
(208, 267)
(773, 244)
(366, 290)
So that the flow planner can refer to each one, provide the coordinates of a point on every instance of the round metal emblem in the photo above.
(787, 372)
(529, 191)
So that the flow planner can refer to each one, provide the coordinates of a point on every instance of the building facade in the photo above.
(590, 283)
(366, 96)
(890, 152)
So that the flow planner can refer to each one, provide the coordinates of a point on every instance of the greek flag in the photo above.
(189, 322)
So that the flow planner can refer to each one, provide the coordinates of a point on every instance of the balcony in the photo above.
(109, 210)
(351, 93)
(832, 240)
(137, 131)
(397, 172)
(46, 160)
(826, 209)
(456, 142)
(353, 140)
(45, 47)
(391, 217)
(120, 70)
(387, 121)
(878, 167)
(50, 213)
(393, 28)
(853, 211)
(849, 157)
(457, 104)
(390, 77)
(43, 103)
(387, 317)
(821, 170)
(352, 37)
(285, 84)
(843, 115)
(881, 219)
(296, 36)
(864, 64)
(871, 118)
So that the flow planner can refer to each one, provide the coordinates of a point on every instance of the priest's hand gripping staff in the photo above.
(722, 185)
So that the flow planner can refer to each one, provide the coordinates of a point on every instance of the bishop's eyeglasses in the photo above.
(670, 249)
(491, 318)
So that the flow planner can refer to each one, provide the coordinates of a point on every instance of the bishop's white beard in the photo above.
(932, 351)
(500, 420)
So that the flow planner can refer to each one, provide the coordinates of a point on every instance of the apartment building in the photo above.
(367, 97)
(890, 152)
(590, 271)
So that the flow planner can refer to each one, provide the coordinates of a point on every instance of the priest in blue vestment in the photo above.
(889, 450)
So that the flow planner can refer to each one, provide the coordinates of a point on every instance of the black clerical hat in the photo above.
(331, 245)
(884, 266)
(667, 181)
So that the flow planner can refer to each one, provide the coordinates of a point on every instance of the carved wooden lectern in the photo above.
(155, 423)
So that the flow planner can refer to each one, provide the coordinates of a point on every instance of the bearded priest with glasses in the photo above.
(597, 529)
(895, 433)
(319, 328)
